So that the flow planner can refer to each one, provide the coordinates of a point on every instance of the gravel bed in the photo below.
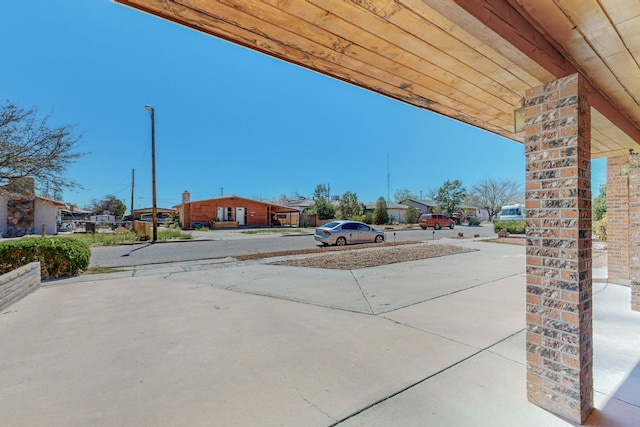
(374, 256)
(321, 250)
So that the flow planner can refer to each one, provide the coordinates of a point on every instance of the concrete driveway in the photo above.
(432, 342)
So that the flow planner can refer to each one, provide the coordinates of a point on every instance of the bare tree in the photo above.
(491, 194)
(431, 193)
(30, 147)
(403, 194)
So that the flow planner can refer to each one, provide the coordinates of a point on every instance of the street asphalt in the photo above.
(436, 342)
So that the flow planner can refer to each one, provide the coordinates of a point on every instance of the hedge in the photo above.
(512, 227)
(58, 256)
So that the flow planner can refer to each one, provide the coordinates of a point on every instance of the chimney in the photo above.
(186, 197)
(22, 186)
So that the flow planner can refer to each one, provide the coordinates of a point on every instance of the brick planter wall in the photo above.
(558, 202)
(18, 283)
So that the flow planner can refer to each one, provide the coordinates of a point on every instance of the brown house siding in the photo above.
(257, 214)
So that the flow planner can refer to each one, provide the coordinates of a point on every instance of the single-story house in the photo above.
(72, 213)
(394, 210)
(22, 212)
(423, 206)
(234, 211)
(302, 204)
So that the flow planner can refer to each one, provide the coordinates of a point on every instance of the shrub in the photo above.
(512, 227)
(58, 256)
(411, 215)
(600, 228)
(474, 221)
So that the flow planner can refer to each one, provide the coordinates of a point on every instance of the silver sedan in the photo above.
(341, 233)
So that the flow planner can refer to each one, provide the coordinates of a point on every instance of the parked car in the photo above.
(437, 221)
(458, 218)
(341, 233)
(197, 224)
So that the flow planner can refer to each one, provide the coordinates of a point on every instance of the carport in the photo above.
(561, 77)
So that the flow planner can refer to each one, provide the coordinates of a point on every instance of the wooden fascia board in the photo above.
(510, 24)
(507, 22)
(168, 15)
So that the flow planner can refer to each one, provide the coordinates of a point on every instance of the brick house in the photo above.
(234, 211)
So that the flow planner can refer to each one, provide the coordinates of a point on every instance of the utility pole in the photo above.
(153, 173)
(133, 174)
(388, 180)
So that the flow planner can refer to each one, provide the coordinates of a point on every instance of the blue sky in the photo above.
(228, 120)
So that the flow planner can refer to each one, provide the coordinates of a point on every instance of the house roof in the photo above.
(300, 203)
(12, 194)
(390, 205)
(424, 202)
(58, 204)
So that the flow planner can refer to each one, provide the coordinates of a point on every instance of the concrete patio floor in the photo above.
(437, 342)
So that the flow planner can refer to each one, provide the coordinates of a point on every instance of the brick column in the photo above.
(558, 201)
(618, 220)
(634, 229)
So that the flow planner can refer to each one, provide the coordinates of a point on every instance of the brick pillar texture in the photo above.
(618, 220)
(634, 229)
(558, 201)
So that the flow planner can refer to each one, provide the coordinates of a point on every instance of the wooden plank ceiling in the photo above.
(471, 60)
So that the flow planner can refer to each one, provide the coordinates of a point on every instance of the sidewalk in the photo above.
(434, 342)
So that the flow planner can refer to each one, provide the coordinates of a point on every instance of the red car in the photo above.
(437, 221)
(458, 218)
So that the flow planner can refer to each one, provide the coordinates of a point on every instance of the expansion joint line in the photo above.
(420, 381)
(362, 292)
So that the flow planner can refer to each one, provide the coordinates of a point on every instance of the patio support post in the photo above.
(623, 223)
(558, 201)
(634, 229)
(618, 220)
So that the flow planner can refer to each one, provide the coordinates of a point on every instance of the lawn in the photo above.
(108, 239)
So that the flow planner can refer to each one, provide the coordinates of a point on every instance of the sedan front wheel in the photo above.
(378, 239)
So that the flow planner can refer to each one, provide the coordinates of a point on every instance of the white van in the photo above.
(512, 213)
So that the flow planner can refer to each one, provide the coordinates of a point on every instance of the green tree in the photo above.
(31, 147)
(349, 207)
(600, 204)
(109, 204)
(411, 215)
(380, 213)
(401, 195)
(321, 205)
(321, 192)
(450, 196)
